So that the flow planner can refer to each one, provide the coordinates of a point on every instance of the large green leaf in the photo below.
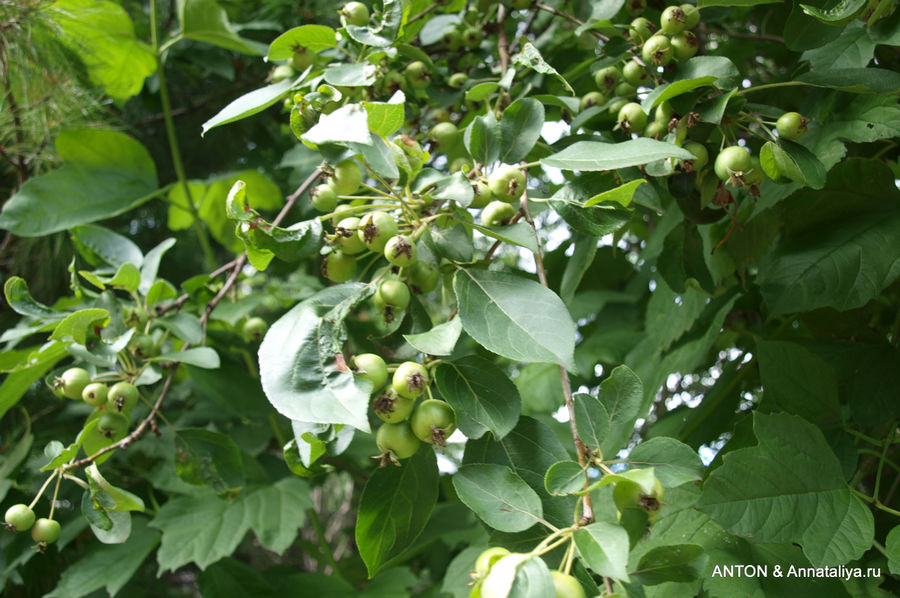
(789, 488)
(105, 173)
(673, 462)
(206, 21)
(498, 496)
(515, 317)
(796, 381)
(312, 37)
(591, 420)
(301, 367)
(604, 548)
(210, 458)
(105, 246)
(102, 35)
(855, 80)
(621, 395)
(596, 155)
(482, 138)
(249, 104)
(482, 396)
(520, 128)
(394, 508)
(347, 124)
(18, 382)
(678, 563)
(440, 340)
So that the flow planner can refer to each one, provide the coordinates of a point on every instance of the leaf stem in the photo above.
(323, 542)
(771, 86)
(43, 487)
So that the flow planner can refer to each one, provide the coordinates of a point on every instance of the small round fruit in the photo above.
(606, 78)
(635, 7)
(355, 13)
(791, 125)
(657, 51)
(631, 495)
(417, 74)
(19, 517)
(481, 195)
(423, 277)
(94, 394)
(640, 30)
(656, 130)
(254, 329)
(338, 267)
(591, 99)
(347, 177)
(391, 407)
(72, 382)
(45, 531)
(663, 113)
(691, 15)
(685, 45)
(452, 39)
(635, 74)
(566, 586)
(347, 236)
(302, 59)
(400, 251)
(444, 134)
(672, 20)
(371, 367)
(632, 117)
(410, 379)
(375, 228)
(497, 213)
(457, 80)
(324, 198)
(624, 90)
(701, 154)
(398, 439)
(394, 293)
(507, 183)
(732, 159)
(486, 559)
(433, 421)
(113, 425)
(472, 37)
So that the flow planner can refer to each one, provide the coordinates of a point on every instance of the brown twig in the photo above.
(498, 242)
(571, 18)
(587, 511)
(502, 41)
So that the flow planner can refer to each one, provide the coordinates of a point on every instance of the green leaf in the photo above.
(519, 233)
(682, 259)
(455, 187)
(604, 548)
(386, 118)
(377, 156)
(595, 221)
(358, 74)
(206, 457)
(107, 566)
(127, 277)
(104, 245)
(520, 576)
(17, 383)
(122, 500)
(789, 488)
(705, 3)
(482, 138)
(838, 14)
(790, 160)
(797, 381)
(394, 508)
(276, 512)
(678, 563)
(531, 58)
(386, 31)
(249, 104)
(673, 462)
(498, 496)
(482, 396)
(301, 373)
(621, 194)
(15, 456)
(440, 340)
(346, 124)
(436, 27)
(591, 420)
(515, 317)
(892, 547)
(667, 91)
(312, 37)
(721, 67)
(853, 49)
(596, 155)
(184, 326)
(202, 357)
(520, 129)
(452, 243)
(564, 477)
(481, 91)
(206, 21)
(854, 80)
(578, 266)
(621, 395)
(105, 173)
(102, 35)
(20, 300)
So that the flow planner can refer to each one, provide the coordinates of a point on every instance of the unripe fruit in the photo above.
(732, 159)
(486, 559)
(640, 30)
(19, 517)
(338, 267)
(566, 586)
(685, 45)
(701, 154)
(347, 177)
(635, 7)
(400, 251)
(472, 37)
(123, 396)
(254, 329)
(691, 15)
(630, 495)
(433, 421)
(324, 198)
(302, 59)
(655, 130)
(457, 80)
(94, 394)
(371, 367)
(391, 407)
(444, 134)
(635, 74)
(398, 439)
(113, 425)
(672, 20)
(632, 117)
(507, 183)
(452, 39)
(423, 277)
(606, 78)
(497, 213)
(347, 236)
(355, 13)
(394, 293)
(617, 104)
(375, 229)
(791, 125)
(657, 51)
(591, 99)
(410, 379)
(45, 531)
(663, 113)
(481, 195)
(624, 90)
(72, 382)
(417, 74)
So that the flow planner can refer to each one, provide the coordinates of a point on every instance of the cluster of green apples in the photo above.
(21, 518)
(485, 585)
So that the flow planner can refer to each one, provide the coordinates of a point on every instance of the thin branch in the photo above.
(502, 41)
(587, 511)
(572, 18)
